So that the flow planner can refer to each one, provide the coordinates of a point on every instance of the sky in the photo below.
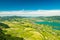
(30, 7)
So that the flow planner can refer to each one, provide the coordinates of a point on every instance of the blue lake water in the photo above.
(54, 24)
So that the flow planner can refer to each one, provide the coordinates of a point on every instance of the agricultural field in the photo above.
(29, 28)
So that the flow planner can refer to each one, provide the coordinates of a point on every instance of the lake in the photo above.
(54, 24)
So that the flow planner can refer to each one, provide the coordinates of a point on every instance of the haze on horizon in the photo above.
(30, 7)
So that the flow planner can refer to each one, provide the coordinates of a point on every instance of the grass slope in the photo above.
(26, 29)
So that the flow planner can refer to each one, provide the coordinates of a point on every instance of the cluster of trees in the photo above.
(4, 36)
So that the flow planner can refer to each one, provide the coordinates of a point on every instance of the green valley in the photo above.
(28, 28)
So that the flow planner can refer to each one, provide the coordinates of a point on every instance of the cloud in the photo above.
(31, 13)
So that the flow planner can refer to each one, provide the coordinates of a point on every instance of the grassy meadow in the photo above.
(28, 28)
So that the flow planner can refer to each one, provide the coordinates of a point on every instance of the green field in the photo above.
(26, 28)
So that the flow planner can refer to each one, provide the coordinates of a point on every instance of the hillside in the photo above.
(25, 28)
